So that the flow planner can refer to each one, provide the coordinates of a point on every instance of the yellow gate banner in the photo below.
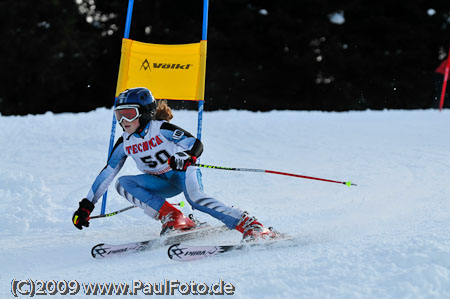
(172, 72)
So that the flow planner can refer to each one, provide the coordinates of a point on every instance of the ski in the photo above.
(184, 253)
(103, 250)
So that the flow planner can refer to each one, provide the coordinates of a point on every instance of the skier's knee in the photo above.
(124, 182)
(120, 183)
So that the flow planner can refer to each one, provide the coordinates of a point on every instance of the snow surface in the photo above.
(388, 237)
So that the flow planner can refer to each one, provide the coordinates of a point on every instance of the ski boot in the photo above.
(253, 230)
(173, 219)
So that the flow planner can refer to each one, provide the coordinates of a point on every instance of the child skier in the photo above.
(165, 154)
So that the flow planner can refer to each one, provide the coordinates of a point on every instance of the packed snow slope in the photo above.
(388, 237)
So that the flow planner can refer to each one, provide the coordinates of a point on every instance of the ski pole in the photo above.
(349, 183)
(181, 204)
(112, 213)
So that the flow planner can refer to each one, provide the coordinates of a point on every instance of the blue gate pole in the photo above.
(204, 37)
(113, 125)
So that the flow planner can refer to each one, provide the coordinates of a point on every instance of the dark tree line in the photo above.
(64, 55)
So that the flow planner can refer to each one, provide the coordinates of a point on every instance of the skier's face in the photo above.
(130, 126)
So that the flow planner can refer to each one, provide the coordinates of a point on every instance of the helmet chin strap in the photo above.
(141, 127)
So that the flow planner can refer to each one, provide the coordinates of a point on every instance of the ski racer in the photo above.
(165, 154)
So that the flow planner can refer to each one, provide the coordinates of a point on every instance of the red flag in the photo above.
(444, 69)
(441, 68)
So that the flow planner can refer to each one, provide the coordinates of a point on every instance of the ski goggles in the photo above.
(127, 112)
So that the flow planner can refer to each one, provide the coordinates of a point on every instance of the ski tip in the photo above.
(172, 251)
(184, 253)
(96, 251)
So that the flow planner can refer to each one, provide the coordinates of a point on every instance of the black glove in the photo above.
(81, 216)
(181, 160)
